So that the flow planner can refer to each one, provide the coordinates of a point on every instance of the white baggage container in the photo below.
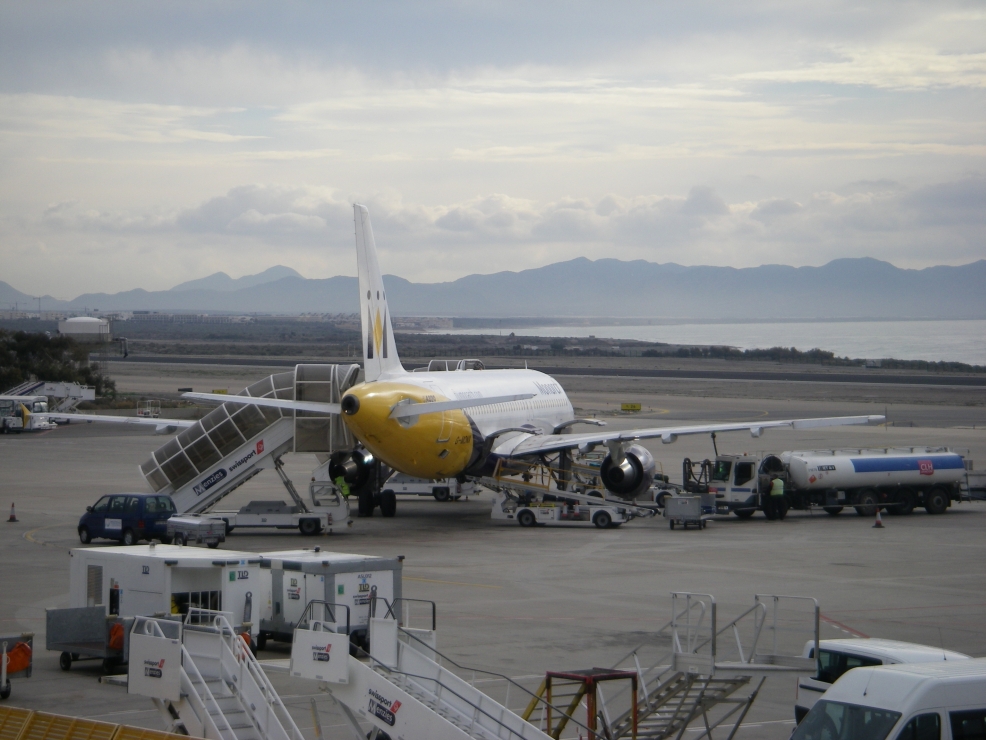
(145, 580)
(292, 578)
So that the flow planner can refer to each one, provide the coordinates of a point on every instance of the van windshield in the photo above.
(831, 720)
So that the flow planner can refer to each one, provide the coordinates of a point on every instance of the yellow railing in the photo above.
(26, 724)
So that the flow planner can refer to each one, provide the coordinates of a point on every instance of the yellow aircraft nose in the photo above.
(435, 445)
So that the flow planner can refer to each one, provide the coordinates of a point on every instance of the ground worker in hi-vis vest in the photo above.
(776, 497)
(342, 486)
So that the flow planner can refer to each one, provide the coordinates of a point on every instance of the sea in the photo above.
(936, 341)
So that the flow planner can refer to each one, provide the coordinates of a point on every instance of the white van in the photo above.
(835, 657)
(443, 490)
(929, 701)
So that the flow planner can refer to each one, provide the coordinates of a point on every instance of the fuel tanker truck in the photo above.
(893, 479)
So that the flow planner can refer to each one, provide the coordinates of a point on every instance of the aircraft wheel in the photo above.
(526, 518)
(5, 691)
(602, 519)
(388, 503)
(440, 494)
(309, 527)
(365, 503)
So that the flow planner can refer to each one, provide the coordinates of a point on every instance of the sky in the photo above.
(146, 144)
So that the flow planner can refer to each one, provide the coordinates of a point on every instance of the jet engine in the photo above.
(630, 478)
(356, 467)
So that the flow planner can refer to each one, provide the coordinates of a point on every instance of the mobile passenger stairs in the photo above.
(234, 442)
(562, 492)
(69, 395)
(204, 680)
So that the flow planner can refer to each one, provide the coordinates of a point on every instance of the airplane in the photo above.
(444, 424)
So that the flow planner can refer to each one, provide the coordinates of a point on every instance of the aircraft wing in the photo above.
(161, 424)
(276, 403)
(553, 442)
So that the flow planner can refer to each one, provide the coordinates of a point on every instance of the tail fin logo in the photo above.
(378, 337)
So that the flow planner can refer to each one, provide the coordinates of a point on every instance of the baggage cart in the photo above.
(197, 529)
(16, 659)
(686, 510)
(87, 633)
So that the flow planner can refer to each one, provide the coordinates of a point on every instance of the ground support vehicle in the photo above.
(87, 633)
(196, 529)
(234, 442)
(894, 479)
(443, 490)
(944, 700)
(836, 657)
(293, 578)
(168, 579)
(690, 510)
(23, 414)
(541, 494)
(326, 508)
(127, 518)
(16, 659)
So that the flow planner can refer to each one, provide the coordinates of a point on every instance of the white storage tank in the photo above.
(144, 580)
(85, 329)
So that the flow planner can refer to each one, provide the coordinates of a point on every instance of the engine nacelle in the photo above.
(633, 477)
(355, 467)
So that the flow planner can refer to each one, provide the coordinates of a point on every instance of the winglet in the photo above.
(379, 353)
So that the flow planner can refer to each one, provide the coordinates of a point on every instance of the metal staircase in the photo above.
(204, 680)
(401, 688)
(232, 443)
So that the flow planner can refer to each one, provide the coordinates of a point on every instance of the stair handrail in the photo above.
(204, 698)
(467, 700)
(446, 659)
(307, 615)
(244, 658)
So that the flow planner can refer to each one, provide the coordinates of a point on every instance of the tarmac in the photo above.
(524, 601)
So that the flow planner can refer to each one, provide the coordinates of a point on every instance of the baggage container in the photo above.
(166, 579)
(292, 578)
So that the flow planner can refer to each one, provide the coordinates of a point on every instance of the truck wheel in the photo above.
(744, 513)
(365, 503)
(129, 538)
(671, 524)
(662, 499)
(906, 499)
(5, 691)
(602, 520)
(867, 503)
(309, 527)
(65, 661)
(84, 537)
(526, 518)
(110, 665)
(440, 494)
(388, 503)
(833, 510)
(212, 545)
(935, 501)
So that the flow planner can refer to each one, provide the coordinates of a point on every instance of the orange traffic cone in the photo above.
(13, 516)
(878, 524)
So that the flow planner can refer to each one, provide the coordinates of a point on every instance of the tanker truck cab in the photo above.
(930, 701)
(838, 657)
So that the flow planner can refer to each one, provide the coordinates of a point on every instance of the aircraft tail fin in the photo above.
(379, 352)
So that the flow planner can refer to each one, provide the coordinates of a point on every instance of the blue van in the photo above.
(128, 518)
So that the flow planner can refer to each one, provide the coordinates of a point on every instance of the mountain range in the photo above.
(844, 288)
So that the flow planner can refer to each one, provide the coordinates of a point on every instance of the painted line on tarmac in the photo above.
(843, 627)
(450, 583)
(29, 535)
